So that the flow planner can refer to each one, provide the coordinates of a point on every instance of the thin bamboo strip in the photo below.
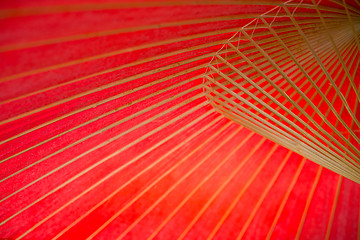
(158, 179)
(203, 160)
(333, 208)
(110, 127)
(308, 202)
(94, 165)
(285, 198)
(228, 180)
(138, 174)
(263, 195)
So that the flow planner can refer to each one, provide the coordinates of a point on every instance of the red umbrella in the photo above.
(111, 124)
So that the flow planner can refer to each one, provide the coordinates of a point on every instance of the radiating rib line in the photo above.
(285, 198)
(244, 109)
(308, 201)
(333, 208)
(258, 84)
(346, 94)
(228, 180)
(197, 188)
(119, 122)
(124, 80)
(263, 195)
(104, 101)
(183, 177)
(297, 147)
(109, 196)
(271, 134)
(343, 5)
(33, 11)
(298, 64)
(114, 138)
(351, 24)
(109, 112)
(241, 193)
(92, 166)
(113, 69)
(265, 71)
(113, 53)
(333, 69)
(101, 88)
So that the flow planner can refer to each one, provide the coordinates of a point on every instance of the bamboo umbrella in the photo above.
(120, 119)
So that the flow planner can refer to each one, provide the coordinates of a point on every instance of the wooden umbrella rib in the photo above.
(193, 109)
(285, 198)
(115, 171)
(263, 195)
(111, 139)
(188, 173)
(308, 201)
(228, 180)
(333, 207)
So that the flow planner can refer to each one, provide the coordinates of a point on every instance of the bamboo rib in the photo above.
(163, 157)
(263, 195)
(333, 150)
(135, 48)
(174, 185)
(308, 201)
(158, 179)
(112, 139)
(333, 208)
(284, 199)
(228, 180)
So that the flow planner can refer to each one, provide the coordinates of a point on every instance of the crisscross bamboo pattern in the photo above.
(292, 75)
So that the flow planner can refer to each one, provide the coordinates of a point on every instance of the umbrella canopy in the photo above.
(109, 128)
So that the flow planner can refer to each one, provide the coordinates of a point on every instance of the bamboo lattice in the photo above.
(292, 75)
